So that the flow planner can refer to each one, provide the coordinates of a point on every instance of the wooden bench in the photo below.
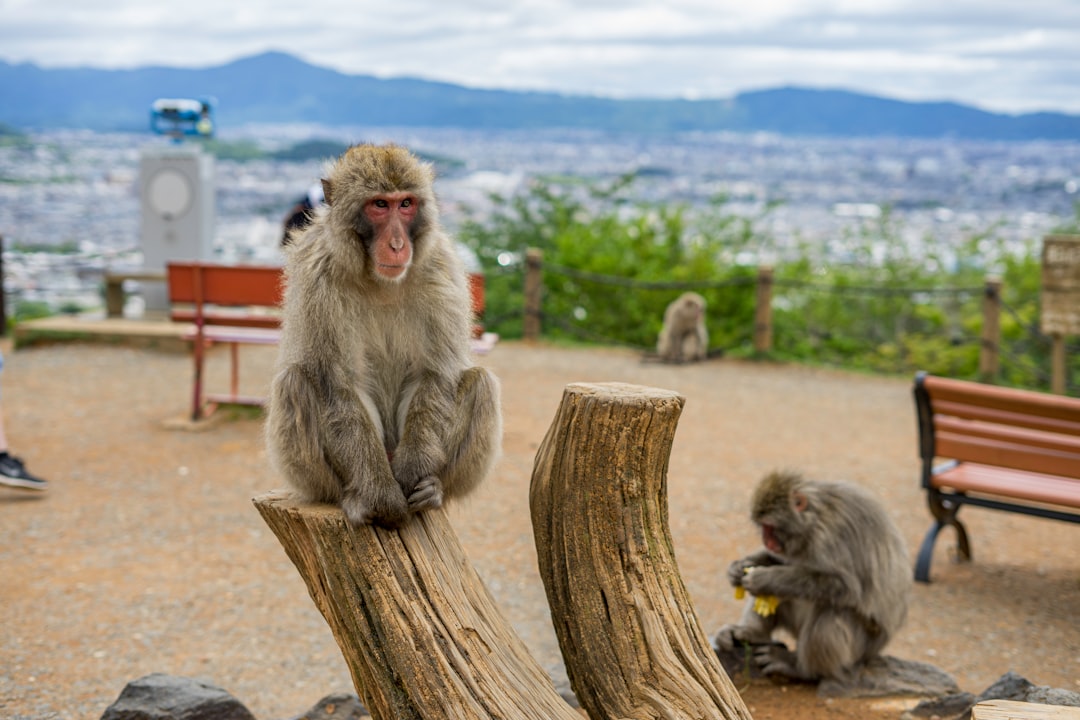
(239, 304)
(233, 304)
(1007, 449)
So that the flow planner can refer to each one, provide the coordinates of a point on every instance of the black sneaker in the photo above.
(13, 474)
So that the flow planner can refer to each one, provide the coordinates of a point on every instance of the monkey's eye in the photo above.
(407, 202)
(381, 203)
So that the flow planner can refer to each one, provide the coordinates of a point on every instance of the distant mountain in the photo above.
(278, 88)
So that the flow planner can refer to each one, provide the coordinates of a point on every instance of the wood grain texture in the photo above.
(420, 632)
(1013, 710)
(631, 640)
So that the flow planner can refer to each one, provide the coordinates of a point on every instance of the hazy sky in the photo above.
(1005, 55)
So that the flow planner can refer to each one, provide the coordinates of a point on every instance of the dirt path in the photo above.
(147, 556)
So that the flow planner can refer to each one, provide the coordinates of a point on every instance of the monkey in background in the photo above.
(839, 568)
(683, 337)
(375, 404)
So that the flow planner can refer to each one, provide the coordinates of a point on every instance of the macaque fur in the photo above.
(683, 337)
(840, 569)
(375, 404)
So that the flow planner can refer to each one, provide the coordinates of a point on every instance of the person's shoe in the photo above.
(13, 474)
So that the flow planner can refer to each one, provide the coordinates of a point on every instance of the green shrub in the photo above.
(612, 265)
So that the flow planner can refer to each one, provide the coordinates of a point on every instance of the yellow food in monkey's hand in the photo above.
(764, 605)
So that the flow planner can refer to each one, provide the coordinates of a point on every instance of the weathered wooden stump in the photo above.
(420, 632)
(632, 643)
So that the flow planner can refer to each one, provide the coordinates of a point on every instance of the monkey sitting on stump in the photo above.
(683, 338)
(839, 569)
(375, 404)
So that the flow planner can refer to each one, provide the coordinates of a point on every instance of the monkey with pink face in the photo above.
(838, 567)
(375, 404)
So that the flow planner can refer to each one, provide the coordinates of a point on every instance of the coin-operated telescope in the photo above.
(176, 190)
(183, 117)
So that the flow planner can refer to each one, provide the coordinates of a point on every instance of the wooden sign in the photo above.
(1061, 285)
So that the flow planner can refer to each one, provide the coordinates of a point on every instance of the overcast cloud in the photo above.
(1003, 55)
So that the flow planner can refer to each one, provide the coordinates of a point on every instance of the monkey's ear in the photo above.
(328, 196)
(799, 501)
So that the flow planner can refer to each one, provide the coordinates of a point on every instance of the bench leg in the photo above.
(944, 512)
(234, 377)
(197, 389)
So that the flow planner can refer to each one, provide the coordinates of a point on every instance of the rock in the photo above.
(1053, 696)
(888, 676)
(1009, 686)
(166, 697)
(340, 706)
(943, 707)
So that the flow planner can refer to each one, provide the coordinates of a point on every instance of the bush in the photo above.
(612, 265)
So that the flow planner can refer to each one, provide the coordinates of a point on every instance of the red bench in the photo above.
(233, 304)
(239, 304)
(1007, 449)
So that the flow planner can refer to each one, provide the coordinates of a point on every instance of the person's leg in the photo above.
(12, 471)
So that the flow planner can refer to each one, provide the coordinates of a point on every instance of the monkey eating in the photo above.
(683, 336)
(375, 404)
(838, 568)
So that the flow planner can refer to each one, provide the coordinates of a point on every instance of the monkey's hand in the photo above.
(768, 581)
(737, 570)
(370, 504)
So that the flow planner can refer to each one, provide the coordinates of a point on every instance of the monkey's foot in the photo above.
(427, 495)
(776, 660)
(732, 636)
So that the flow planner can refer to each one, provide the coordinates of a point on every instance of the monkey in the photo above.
(683, 337)
(374, 403)
(839, 568)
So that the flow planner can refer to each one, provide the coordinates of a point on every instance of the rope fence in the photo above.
(801, 313)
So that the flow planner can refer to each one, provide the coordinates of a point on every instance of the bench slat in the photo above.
(1015, 484)
(1009, 400)
(1016, 416)
(233, 319)
(225, 284)
(1008, 454)
(226, 334)
(1007, 433)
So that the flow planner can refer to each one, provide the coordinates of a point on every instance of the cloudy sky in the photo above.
(1003, 55)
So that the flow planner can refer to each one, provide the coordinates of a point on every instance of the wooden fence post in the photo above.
(420, 632)
(1058, 367)
(534, 263)
(991, 334)
(763, 330)
(632, 643)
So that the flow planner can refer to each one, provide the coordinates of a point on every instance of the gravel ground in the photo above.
(146, 554)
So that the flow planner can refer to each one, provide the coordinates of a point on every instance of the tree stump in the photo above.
(632, 643)
(420, 632)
